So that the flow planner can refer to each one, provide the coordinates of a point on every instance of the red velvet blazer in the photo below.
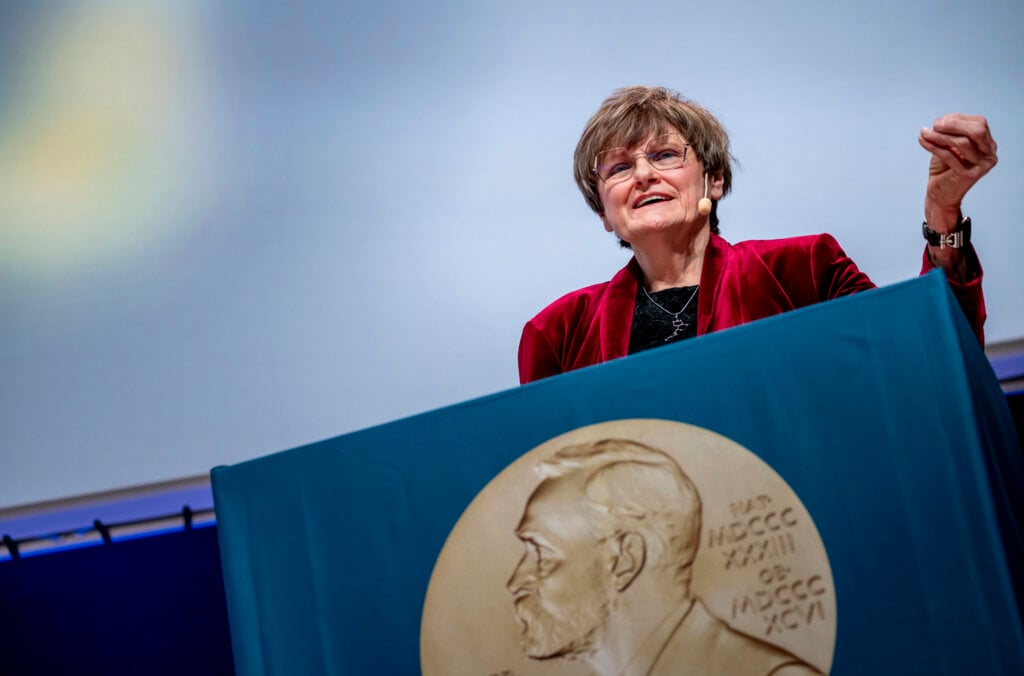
(739, 283)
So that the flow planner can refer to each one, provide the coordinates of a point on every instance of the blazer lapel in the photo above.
(617, 312)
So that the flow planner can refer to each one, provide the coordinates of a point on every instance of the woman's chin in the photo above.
(655, 227)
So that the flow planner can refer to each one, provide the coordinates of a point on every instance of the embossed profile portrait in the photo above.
(598, 553)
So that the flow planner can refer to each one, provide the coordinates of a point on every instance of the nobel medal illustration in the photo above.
(638, 548)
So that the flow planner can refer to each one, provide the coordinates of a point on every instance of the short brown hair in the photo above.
(630, 115)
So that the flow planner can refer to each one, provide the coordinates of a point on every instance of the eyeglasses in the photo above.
(618, 164)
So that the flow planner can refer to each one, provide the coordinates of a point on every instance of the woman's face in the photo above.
(654, 201)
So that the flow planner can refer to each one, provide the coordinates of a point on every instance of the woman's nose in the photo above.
(643, 170)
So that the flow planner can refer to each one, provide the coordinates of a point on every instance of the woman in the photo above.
(653, 166)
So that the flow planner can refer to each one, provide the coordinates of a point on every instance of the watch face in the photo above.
(958, 238)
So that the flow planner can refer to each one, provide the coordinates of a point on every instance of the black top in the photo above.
(654, 326)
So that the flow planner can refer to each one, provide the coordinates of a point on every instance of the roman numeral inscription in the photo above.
(760, 536)
(755, 537)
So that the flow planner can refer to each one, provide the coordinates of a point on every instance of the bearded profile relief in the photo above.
(611, 534)
(622, 570)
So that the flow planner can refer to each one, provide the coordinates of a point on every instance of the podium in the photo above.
(879, 412)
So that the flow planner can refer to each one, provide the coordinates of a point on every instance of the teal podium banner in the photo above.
(833, 490)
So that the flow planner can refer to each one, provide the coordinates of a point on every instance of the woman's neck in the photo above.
(671, 263)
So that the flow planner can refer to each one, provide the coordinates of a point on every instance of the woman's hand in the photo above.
(963, 151)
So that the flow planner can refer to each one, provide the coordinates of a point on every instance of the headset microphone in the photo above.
(704, 204)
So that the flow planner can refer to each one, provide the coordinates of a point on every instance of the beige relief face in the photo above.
(525, 584)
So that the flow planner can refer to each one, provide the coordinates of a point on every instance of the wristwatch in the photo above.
(958, 238)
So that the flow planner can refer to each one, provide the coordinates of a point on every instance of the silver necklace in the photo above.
(677, 322)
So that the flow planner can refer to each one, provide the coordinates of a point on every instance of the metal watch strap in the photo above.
(957, 239)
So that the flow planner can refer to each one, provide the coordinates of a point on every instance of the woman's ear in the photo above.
(716, 185)
(607, 225)
(629, 559)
